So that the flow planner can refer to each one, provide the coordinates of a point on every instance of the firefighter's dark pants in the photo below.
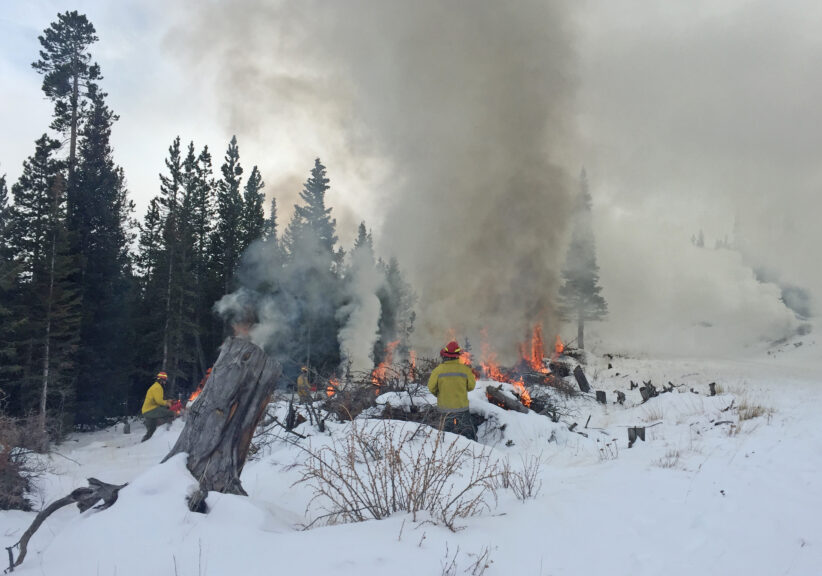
(458, 422)
(154, 418)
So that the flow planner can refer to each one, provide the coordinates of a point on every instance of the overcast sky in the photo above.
(686, 115)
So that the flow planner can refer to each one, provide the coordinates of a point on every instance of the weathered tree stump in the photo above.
(712, 388)
(634, 433)
(502, 399)
(85, 498)
(601, 397)
(221, 422)
(581, 379)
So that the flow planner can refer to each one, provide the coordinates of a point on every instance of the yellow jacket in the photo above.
(303, 386)
(154, 398)
(450, 382)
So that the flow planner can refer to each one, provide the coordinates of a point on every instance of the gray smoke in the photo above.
(362, 313)
(453, 119)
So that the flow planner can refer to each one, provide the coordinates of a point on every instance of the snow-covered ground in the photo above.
(698, 496)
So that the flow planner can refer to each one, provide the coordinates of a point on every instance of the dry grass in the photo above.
(670, 460)
(376, 471)
(749, 410)
(652, 414)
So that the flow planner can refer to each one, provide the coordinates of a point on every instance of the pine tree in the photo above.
(11, 320)
(68, 75)
(269, 234)
(48, 342)
(253, 213)
(397, 315)
(100, 230)
(312, 276)
(579, 296)
(203, 214)
(227, 241)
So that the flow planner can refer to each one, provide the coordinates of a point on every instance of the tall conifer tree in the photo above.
(68, 76)
(579, 296)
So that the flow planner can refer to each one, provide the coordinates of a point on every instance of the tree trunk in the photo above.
(47, 340)
(222, 420)
(581, 330)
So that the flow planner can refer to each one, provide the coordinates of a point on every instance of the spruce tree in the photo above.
(397, 315)
(47, 343)
(11, 318)
(269, 233)
(228, 237)
(253, 212)
(151, 266)
(100, 230)
(579, 295)
(68, 75)
(312, 276)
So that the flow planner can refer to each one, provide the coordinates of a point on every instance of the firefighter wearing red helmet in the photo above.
(155, 407)
(450, 382)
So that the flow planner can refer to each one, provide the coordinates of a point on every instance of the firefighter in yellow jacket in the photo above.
(303, 385)
(450, 382)
(155, 407)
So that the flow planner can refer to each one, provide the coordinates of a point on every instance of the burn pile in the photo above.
(536, 379)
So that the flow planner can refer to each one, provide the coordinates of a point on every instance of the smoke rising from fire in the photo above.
(449, 121)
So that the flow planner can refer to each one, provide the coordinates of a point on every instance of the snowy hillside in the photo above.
(705, 493)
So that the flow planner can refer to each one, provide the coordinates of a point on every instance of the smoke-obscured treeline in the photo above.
(95, 300)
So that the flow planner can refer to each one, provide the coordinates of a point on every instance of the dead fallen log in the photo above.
(85, 498)
(221, 423)
(502, 399)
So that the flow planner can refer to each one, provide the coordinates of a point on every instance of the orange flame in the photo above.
(412, 358)
(465, 358)
(524, 396)
(488, 362)
(194, 394)
(333, 385)
(533, 352)
(378, 374)
(559, 347)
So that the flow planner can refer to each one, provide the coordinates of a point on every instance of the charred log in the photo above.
(581, 379)
(648, 391)
(634, 433)
(500, 398)
(221, 423)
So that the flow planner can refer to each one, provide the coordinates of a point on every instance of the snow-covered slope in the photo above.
(698, 496)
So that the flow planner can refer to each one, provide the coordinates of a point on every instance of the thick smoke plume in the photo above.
(464, 108)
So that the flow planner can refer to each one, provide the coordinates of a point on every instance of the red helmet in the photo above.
(451, 350)
(162, 376)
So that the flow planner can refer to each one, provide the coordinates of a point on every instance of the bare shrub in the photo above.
(377, 470)
(524, 482)
(481, 562)
(19, 440)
